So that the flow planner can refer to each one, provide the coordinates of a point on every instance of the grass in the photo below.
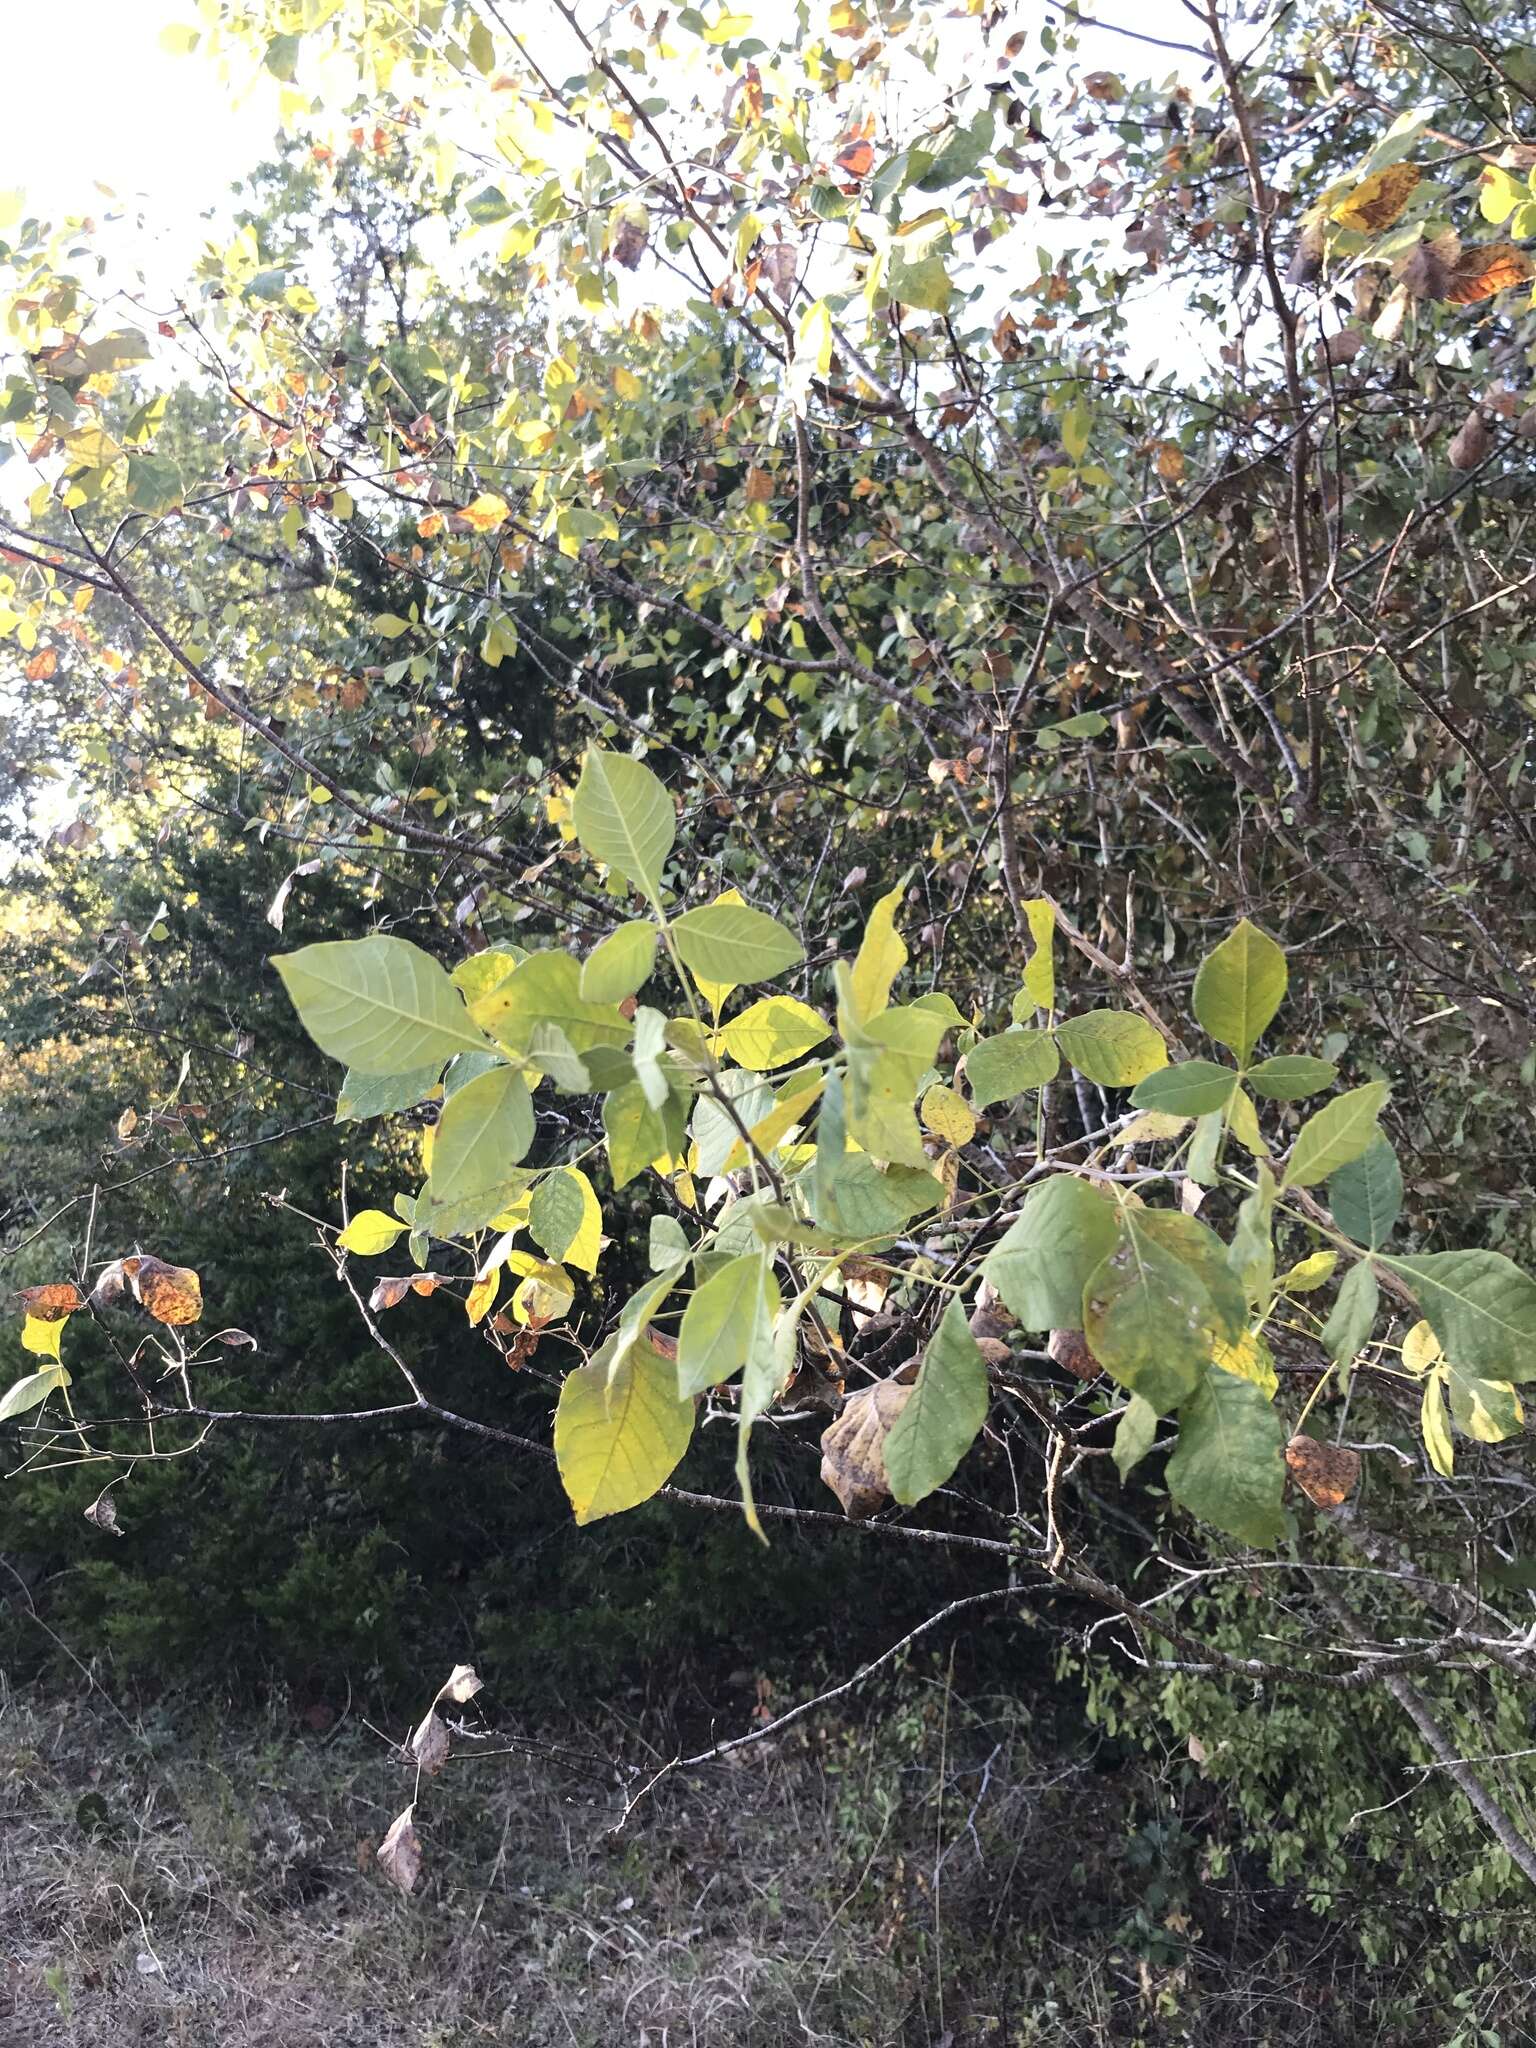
(919, 1878)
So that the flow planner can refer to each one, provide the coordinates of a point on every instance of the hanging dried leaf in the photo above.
(399, 1854)
(1425, 273)
(1326, 1473)
(171, 1294)
(781, 266)
(102, 1514)
(52, 1303)
(1378, 200)
(430, 1744)
(629, 232)
(1471, 442)
(1334, 350)
(1307, 258)
(127, 1124)
(1489, 268)
(853, 1448)
(462, 1684)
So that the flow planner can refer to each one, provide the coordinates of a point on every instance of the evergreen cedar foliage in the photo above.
(879, 879)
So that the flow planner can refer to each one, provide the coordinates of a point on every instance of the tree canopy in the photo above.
(874, 682)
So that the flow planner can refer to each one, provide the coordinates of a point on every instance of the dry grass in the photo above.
(197, 1884)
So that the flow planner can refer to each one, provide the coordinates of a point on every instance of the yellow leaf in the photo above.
(715, 992)
(728, 28)
(779, 1121)
(1040, 973)
(42, 1338)
(773, 1031)
(626, 383)
(948, 1115)
(1376, 201)
(882, 955)
(370, 1232)
(618, 1438)
(1309, 1273)
(1250, 1359)
(487, 512)
(481, 1295)
(584, 1247)
(1421, 1349)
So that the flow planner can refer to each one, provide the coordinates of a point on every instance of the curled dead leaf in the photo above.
(462, 1684)
(853, 1448)
(430, 1745)
(1425, 272)
(102, 1514)
(171, 1294)
(399, 1854)
(1326, 1473)
(1471, 442)
(1307, 258)
(1070, 1350)
(1334, 350)
(51, 1303)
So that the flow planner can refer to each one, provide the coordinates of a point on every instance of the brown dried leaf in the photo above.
(1307, 258)
(463, 1683)
(1334, 350)
(1489, 268)
(127, 1124)
(631, 231)
(389, 1292)
(430, 1744)
(1070, 1350)
(1170, 462)
(102, 1513)
(759, 485)
(171, 1294)
(50, 1304)
(1470, 443)
(399, 1854)
(1425, 272)
(1326, 1473)
(853, 1448)
(781, 264)
(1378, 200)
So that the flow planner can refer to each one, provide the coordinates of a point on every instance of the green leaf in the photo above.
(546, 989)
(1481, 1307)
(1339, 1132)
(380, 1005)
(1135, 1434)
(1228, 1466)
(716, 1131)
(370, 1232)
(1366, 1196)
(618, 965)
(1252, 1252)
(1352, 1318)
(771, 1349)
(773, 1031)
(637, 1133)
(924, 284)
(1204, 1148)
(32, 1391)
(1192, 1088)
(1199, 1248)
(1113, 1048)
(154, 483)
(484, 1130)
(728, 942)
(668, 1244)
(943, 1413)
(624, 817)
(720, 1318)
(366, 1095)
(621, 1433)
(1149, 1319)
(1043, 1263)
(881, 1086)
(999, 1068)
(556, 1213)
(1239, 987)
(282, 57)
(1290, 1076)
